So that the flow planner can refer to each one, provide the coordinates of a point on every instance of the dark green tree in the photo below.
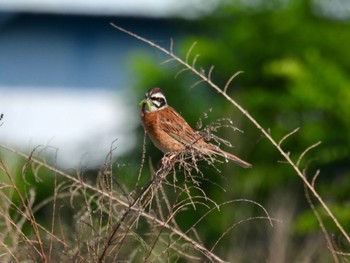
(296, 68)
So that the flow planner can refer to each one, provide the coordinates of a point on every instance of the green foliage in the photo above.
(296, 66)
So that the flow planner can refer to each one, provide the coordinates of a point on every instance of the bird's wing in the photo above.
(176, 126)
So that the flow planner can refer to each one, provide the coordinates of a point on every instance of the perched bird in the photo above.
(171, 133)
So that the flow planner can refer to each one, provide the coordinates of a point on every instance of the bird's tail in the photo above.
(229, 156)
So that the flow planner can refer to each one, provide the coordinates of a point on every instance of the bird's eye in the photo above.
(156, 98)
(158, 101)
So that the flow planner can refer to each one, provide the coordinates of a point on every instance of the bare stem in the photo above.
(125, 204)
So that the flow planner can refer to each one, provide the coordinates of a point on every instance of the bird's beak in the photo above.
(145, 102)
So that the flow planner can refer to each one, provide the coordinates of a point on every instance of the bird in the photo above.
(170, 132)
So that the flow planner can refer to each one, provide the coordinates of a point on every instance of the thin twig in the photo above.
(188, 52)
(210, 71)
(231, 79)
(320, 222)
(287, 136)
(143, 156)
(314, 178)
(305, 151)
(28, 212)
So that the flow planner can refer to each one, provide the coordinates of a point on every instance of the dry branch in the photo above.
(80, 184)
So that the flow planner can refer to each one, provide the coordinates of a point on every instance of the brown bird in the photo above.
(171, 133)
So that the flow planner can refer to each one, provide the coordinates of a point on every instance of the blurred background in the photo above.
(66, 77)
(70, 81)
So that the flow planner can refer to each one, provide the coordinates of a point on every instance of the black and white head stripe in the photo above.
(157, 98)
